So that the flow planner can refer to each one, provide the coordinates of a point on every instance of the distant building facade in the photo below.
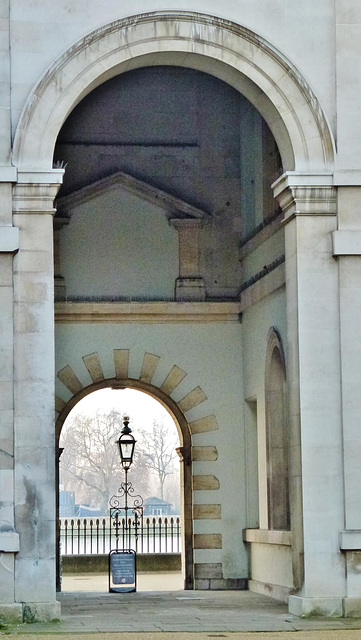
(180, 214)
(67, 506)
(157, 507)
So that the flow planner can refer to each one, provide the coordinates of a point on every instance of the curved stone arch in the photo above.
(274, 341)
(217, 46)
(277, 437)
(190, 455)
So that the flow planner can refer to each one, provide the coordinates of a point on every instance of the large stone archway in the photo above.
(225, 49)
(293, 113)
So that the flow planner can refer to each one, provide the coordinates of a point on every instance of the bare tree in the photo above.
(90, 462)
(157, 451)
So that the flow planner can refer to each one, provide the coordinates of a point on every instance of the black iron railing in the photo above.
(83, 536)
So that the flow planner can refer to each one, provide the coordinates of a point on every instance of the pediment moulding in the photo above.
(229, 51)
(174, 207)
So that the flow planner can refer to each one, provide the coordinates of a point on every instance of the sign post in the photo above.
(124, 522)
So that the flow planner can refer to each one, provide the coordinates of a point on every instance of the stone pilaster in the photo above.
(347, 255)
(313, 355)
(5, 93)
(34, 438)
(9, 539)
(189, 285)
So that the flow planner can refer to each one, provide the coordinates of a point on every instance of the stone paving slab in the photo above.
(345, 634)
(183, 615)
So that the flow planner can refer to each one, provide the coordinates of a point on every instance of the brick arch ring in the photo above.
(190, 455)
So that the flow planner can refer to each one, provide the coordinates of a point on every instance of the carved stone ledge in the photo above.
(149, 312)
(305, 194)
(34, 198)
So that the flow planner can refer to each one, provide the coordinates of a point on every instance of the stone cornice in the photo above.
(34, 198)
(262, 287)
(146, 312)
(266, 231)
(305, 194)
(173, 206)
(34, 177)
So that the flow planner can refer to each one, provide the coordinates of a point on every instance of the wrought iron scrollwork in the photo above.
(126, 490)
(126, 516)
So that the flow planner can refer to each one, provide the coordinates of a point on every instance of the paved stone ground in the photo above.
(283, 635)
(182, 615)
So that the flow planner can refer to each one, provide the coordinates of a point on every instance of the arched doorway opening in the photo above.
(90, 474)
(165, 408)
(152, 153)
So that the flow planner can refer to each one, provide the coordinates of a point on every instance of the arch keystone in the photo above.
(121, 362)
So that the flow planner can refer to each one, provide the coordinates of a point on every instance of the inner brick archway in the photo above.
(188, 454)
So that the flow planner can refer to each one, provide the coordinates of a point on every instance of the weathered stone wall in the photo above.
(41, 33)
(309, 94)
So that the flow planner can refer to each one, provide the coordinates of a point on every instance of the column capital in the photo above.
(34, 197)
(305, 194)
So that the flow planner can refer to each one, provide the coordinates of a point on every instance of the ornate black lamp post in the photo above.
(126, 445)
(125, 520)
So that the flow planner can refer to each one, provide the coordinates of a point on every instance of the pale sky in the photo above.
(140, 407)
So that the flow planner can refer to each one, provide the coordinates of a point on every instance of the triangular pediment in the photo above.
(172, 206)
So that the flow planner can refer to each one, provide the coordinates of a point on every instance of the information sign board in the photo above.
(123, 567)
(122, 570)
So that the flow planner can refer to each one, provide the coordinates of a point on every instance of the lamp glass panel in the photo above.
(127, 449)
